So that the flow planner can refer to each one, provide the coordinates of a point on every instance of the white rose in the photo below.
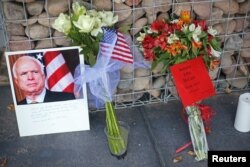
(77, 9)
(108, 18)
(62, 24)
(215, 53)
(198, 30)
(211, 31)
(85, 23)
(97, 28)
(172, 38)
(92, 13)
(191, 27)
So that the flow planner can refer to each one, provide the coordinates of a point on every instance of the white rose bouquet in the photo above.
(83, 26)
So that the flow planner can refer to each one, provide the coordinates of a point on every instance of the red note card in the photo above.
(192, 81)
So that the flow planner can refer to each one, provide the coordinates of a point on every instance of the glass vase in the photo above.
(118, 144)
(197, 132)
(116, 132)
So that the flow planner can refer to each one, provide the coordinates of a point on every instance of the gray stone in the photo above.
(233, 43)
(237, 80)
(132, 2)
(102, 4)
(122, 11)
(35, 8)
(203, 10)
(45, 20)
(13, 11)
(60, 39)
(227, 62)
(15, 29)
(138, 25)
(37, 31)
(241, 24)
(231, 7)
(30, 21)
(140, 83)
(47, 43)
(21, 45)
(142, 72)
(163, 15)
(159, 82)
(244, 7)
(55, 7)
(135, 14)
(177, 8)
(153, 7)
(25, 1)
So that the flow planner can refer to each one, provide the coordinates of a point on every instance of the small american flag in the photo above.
(115, 42)
(59, 77)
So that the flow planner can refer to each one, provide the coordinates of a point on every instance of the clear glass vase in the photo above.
(197, 132)
(118, 144)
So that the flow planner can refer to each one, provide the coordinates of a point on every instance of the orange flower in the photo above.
(214, 64)
(176, 48)
(185, 16)
(196, 44)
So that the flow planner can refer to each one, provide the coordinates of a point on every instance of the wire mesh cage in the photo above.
(27, 25)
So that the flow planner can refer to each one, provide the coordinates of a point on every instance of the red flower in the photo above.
(161, 41)
(201, 23)
(148, 42)
(176, 26)
(149, 54)
(210, 37)
(160, 26)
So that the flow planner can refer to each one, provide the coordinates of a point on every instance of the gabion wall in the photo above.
(27, 25)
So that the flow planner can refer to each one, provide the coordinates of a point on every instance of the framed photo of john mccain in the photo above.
(44, 90)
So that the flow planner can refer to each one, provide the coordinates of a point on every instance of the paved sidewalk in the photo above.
(155, 133)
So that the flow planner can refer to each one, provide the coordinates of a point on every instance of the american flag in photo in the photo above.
(59, 77)
(116, 41)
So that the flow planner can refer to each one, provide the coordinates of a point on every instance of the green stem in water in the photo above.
(116, 141)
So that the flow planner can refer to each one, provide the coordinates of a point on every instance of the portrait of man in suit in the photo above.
(29, 76)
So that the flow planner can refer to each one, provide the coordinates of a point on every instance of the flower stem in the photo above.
(115, 139)
(197, 132)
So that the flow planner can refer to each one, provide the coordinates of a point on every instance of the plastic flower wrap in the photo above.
(175, 41)
(178, 40)
(83, 27)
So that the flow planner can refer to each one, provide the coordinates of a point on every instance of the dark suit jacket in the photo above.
(53, 96)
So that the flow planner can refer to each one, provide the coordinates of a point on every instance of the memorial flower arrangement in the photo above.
(83, 27)
(176, 41)
(91, 29)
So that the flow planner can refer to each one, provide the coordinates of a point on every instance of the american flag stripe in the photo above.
(59, 77)
(118, 51)
(63, 84)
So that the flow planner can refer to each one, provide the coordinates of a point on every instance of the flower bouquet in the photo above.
(92, 31)
(176, 41)
(83, 27)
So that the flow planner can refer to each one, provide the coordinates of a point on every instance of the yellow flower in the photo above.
(62, 23)
(85, 23)
(185, 16)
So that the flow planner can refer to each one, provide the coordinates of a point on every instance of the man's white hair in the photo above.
(26, 57)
